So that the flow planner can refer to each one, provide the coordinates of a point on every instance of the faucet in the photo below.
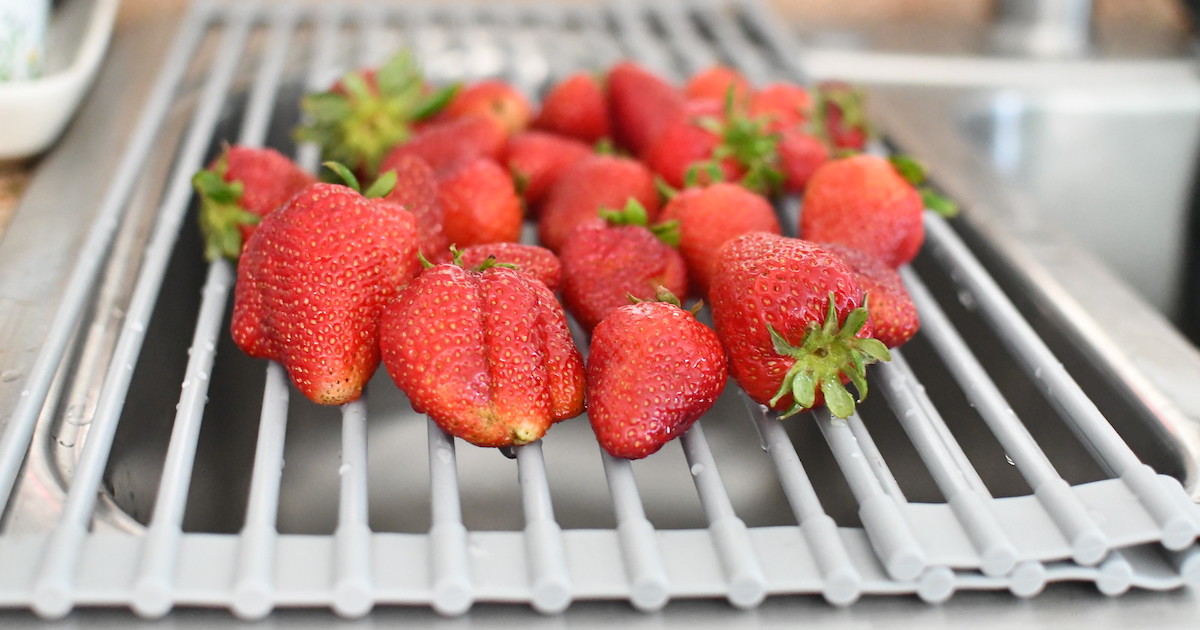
(1043, 28)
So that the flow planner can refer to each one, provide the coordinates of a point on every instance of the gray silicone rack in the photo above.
(1125, 527)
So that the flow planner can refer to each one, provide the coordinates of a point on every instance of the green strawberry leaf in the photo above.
(634, 213)
(938, 203)
(909, 168)
(435, 102)
(346, 175)
(667, 232)
(382, 187)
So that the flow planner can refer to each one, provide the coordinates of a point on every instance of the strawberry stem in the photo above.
(827, 353)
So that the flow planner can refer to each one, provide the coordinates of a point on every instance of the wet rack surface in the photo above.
(979, 462)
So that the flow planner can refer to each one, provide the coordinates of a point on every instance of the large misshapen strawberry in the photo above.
(791, 317)
(367, 112)
(241, 186)
(484, 352)
(652, 371)
(312, 282)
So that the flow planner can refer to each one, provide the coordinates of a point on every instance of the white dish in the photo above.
(34, 112)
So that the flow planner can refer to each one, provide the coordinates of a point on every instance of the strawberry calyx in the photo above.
(358, 123)
(828, 352)
(914, 173)
(746, 140)
(666, 296)
(634, 213)
(221, 212)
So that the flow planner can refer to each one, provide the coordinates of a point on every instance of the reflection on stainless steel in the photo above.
(167, 469)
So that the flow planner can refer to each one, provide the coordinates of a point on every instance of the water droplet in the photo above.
(24, 392)
(967, 299)
(137, 327)
(1008, 458)
(697, 469)
(210, 346)
(203, 376)
(856, 454)
(9, 376)
(343, 469)
(444, 455)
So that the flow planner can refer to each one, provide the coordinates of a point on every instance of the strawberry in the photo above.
(640, 105)
(894, 318)
(480, 204)
(486, 353)
(704, 146)
(841, 117)
(783, 105)
(366, 113)
(538, 262)
(800, 155)
(575, 107)
(594, 182)
(603, 265)
(715, 82)
(448, 144)
(312, 282)
(652, 371)
(790, 315)
(707, 217)
(417, 190)
(536, 159)
(493, 98)
(237, 190)
(862, 201)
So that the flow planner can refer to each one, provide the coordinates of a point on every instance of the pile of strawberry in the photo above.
(643, 194)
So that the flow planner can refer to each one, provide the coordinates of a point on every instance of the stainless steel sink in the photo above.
(242, 497)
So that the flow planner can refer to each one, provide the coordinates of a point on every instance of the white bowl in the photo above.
(34, 112)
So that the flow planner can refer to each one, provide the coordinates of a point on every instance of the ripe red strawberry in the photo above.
(366, 113)
(536, 159)
(707, 218)
(237, 190)
(493, 98)
(784, 105)
(800, 155)
(576, 107)
(448, 144)
(790, 316)
(480, 204)
(716, 141)
(416, 189)
(715, 82)
(312, 282)
(640, 105)
(894, 318)
(603, 265)
(652, 371)
(862, 201)
(538, 262)
(594, 182)
(486, 353)
(841, 115)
